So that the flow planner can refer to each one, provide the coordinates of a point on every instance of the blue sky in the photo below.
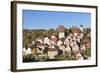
(33, 19)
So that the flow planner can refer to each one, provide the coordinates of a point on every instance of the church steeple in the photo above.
(61, 30)
(81, 28)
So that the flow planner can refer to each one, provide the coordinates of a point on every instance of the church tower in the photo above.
(61, 30)
(81, 28)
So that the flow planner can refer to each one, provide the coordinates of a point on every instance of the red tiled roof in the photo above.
(76, 30)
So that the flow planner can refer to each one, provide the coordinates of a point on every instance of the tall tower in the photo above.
(61, 30)
(81, 28)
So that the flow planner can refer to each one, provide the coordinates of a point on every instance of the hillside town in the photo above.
(76, 45)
